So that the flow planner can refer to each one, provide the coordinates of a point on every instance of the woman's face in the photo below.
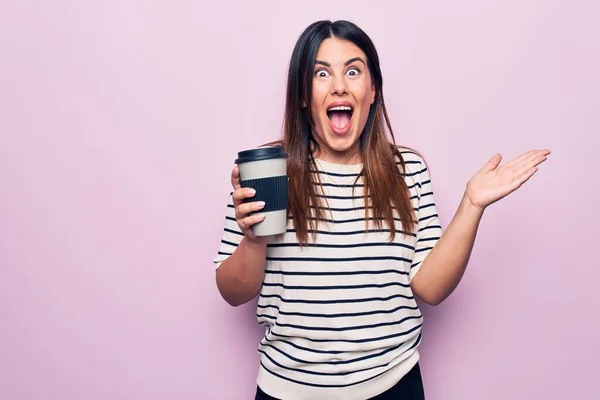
(342, 93)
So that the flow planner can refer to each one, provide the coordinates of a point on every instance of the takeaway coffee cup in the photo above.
(265, 170)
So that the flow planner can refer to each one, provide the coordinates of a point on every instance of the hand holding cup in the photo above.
(260, 191)
(247, 213)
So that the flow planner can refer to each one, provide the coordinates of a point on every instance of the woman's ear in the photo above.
(373, 93)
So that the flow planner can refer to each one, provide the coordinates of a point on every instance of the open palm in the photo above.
(493, 182)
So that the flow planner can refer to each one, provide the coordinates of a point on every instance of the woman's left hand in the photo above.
(493, 183)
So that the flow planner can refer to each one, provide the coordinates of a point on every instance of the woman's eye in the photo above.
(321, 73)
(353, 71)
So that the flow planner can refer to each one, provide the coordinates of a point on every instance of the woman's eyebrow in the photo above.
(350, 61)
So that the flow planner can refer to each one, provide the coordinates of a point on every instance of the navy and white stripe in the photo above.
(339, 313)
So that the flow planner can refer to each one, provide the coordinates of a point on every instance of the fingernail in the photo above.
(261, 204)
(260, 216)
(251, 192)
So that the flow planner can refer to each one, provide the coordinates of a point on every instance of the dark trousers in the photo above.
(410, 387)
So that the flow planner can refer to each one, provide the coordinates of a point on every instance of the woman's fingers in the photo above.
(244, 209)
(528, 163)
(247, 222)
(239, 195)
(235, 178)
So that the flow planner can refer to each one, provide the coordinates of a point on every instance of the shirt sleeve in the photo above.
(232, 235)
(428, 230)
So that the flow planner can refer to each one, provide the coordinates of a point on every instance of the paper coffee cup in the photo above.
(265, 170)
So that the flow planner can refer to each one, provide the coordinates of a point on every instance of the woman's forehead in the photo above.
(335, 51)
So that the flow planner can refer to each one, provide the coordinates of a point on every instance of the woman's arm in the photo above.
(240, 276)
(445, 264)
(240, 273)
(443, 268)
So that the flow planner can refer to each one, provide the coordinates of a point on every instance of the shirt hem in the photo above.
(286, 390)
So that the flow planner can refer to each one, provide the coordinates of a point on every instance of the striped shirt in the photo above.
(340, 319)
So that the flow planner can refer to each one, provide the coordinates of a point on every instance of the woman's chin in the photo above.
(339, 149)
(342, 144)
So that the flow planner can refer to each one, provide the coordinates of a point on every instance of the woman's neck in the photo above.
(351, 157)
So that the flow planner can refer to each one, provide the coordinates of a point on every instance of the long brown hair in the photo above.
(385, 190)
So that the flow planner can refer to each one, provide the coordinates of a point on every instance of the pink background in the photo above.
(112, 200)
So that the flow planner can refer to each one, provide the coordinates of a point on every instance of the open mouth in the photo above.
(340, 116)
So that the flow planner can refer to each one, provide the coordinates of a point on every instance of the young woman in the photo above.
(337, 291)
